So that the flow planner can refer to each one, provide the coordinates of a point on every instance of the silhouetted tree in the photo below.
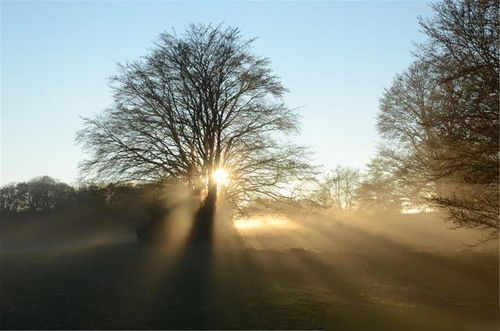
(378, 189)
(194, 104)
(39, 194)
(440, 118)
(338, 188)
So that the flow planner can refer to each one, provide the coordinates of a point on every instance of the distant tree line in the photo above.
(143, 207)
(38, 194)
(43, 194)
(343, 189)
(348, 189)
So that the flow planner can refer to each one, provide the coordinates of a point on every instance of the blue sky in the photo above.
(334, 57)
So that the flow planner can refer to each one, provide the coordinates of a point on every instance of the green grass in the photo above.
(130, 287)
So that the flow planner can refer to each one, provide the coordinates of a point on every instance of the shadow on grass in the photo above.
(207, 284)
(184, 300)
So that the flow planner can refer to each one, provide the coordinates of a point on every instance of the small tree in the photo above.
(378, 190)
(197, 103)
(338, 188)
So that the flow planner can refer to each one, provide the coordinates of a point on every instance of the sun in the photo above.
(220, 177)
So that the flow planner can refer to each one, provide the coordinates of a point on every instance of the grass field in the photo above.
(348, 279)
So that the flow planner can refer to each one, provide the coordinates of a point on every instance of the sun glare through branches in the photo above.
(221, 177)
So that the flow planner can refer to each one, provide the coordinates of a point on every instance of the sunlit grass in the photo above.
(266, 223)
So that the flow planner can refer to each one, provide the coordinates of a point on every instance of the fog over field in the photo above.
(293, 268)
(250, 165)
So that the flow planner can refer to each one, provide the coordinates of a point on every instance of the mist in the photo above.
(200, 202)
(387, 265)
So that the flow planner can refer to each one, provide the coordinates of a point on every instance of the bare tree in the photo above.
(39, 194)
(338, 188)
(197, 103)
(378, 189)
(412, 147)
(440, 118)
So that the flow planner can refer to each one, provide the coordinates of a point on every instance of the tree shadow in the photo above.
(184, 299)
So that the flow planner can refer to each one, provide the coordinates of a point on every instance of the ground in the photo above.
(290, 276)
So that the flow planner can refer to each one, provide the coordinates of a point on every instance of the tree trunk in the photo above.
(211, 199)
(202, 231)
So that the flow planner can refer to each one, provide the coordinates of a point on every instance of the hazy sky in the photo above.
(335, 58)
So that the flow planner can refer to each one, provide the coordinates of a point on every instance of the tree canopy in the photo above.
(439, 119)
(196, 103)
